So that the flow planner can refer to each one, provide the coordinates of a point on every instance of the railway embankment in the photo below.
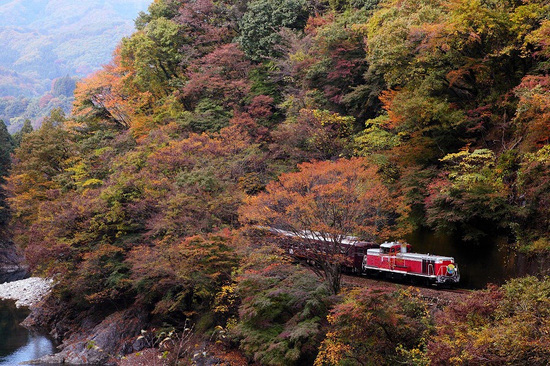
(437, 298)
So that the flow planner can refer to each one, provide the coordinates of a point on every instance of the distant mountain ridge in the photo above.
(44, 40)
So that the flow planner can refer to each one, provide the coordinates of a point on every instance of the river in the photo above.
(18, 344)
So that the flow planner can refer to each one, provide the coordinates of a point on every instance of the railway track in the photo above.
(439, 297)
(462, 291)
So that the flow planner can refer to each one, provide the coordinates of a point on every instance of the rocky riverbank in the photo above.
(26, 292)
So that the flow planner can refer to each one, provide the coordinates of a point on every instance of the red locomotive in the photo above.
(396, 259)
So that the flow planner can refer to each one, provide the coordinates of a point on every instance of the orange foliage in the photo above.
(329, 200)
(110, 95)
(533, 112)
(318, 21)
(338, 198)
(387, 98)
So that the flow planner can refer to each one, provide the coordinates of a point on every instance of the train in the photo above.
(396, 259)
(393, 260)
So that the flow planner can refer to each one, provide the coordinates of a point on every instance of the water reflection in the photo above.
(479, 263)
(18, 344)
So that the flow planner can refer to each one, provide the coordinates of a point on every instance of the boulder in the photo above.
(103, 344)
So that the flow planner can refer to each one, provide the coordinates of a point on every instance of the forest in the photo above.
(45, 42)
(15, 111)
(347, 117)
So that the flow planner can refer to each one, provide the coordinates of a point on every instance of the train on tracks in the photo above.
(393, 260)
(396, 259)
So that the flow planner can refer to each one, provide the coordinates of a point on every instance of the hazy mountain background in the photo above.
(42, 41)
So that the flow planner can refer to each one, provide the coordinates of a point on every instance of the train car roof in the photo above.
(313, 235)
(426, 256)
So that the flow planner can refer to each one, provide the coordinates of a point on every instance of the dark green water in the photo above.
(479, 263)
(18, 344)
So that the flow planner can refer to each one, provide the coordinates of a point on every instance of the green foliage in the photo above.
(354, 4)
(43, 152)
(533, 185)
(375, 139)
(280, 317)
(18, 136)
(6, 148)
(209, 116)
(261, 83)
(158, 9)
(63, 87)
(469, 196)
(365, 4)
(260, 25)
(182, 279)
(154, 53)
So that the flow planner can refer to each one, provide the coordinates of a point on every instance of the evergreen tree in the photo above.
(18, 136)
(6, 148)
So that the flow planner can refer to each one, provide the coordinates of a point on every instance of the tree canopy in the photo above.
(324, 203)
(322, 118)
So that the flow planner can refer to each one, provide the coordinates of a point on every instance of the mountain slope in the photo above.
(43, 40)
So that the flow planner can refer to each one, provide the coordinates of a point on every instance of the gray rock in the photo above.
(139, 344)
(104, 344)
(11, 268)
(26, 292)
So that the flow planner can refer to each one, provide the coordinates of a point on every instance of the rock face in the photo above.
(95, 342)
(10, 263)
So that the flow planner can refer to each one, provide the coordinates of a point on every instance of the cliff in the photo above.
(11, 268)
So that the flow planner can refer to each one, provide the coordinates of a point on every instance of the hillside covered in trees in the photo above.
(347, 117)
(45, 42)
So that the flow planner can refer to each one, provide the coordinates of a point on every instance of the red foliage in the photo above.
(220, 75)
(533, 115)
(205, 25)
(261, 107)
(314, 23)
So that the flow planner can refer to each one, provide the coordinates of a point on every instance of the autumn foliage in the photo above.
(322, 204)
(326, 119)
(376, 326)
